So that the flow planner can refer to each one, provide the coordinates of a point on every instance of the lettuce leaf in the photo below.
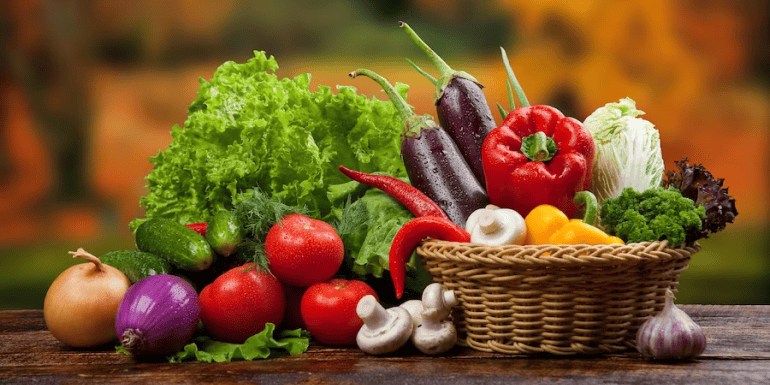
(259, 346)
(249, 129)
(367, 227)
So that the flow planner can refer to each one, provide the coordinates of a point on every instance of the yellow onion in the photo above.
(82, 302)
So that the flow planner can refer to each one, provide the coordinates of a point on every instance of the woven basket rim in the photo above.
(562, 255)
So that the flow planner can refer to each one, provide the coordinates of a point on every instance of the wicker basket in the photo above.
(566, 299)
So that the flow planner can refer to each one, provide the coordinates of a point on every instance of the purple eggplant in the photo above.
(433, 162)
(461, 106)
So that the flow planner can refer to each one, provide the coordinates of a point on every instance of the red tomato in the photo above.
(240, 302)
(329, 310)
(302, 251)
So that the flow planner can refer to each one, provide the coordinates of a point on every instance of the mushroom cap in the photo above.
(388, 338)
(435, 339)
(435, 296)
(499, 227)
(415, 308)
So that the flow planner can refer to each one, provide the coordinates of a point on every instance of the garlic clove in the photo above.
(670, 335)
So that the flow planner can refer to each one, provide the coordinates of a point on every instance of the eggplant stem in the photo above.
(438, 62)
(516, 86)
(404, 109)
(421, 71)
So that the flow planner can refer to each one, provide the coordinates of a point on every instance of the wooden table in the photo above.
(738, 352)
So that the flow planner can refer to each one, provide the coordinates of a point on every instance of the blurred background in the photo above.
(89, 90)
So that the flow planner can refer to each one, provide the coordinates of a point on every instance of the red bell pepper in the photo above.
(537, 156)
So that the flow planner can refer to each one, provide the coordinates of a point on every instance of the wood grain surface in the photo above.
(738, 352)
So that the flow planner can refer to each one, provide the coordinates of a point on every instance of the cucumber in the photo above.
(181, 246)
(136, 264)
(224, 233)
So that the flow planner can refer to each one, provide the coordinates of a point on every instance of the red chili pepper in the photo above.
(412, 198)
(410, 235)
(537, 156)
(200, 227)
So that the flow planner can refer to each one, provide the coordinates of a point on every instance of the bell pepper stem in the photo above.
(588, 199)
(538, 147)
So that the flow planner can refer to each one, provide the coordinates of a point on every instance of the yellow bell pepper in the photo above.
(577, 232)
(542, 222)
(548, 225)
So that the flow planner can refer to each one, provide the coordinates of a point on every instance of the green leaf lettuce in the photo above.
(249, 129)
(259, 346)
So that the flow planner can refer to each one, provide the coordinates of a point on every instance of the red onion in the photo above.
(158, 315)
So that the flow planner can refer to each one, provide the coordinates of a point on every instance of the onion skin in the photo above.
(670, 335)
(80, 305)
(158, 316)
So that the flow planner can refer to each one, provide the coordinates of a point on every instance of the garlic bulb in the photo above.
(670, 335)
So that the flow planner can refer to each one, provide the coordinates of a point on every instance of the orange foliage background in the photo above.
(76, 129)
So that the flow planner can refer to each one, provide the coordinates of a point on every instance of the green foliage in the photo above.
(259, 346)
(367, 227)
(248, 129)
(651, 215)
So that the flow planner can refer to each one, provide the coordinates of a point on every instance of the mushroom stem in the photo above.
(450, 300)
(371, 312)
(436, 297)
(488, 222)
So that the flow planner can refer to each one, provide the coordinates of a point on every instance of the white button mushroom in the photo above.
(433, 336)
(434, 333)
(384, 331)
(415, 308)
(435, 296)
(473, 219)
(498, 227)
